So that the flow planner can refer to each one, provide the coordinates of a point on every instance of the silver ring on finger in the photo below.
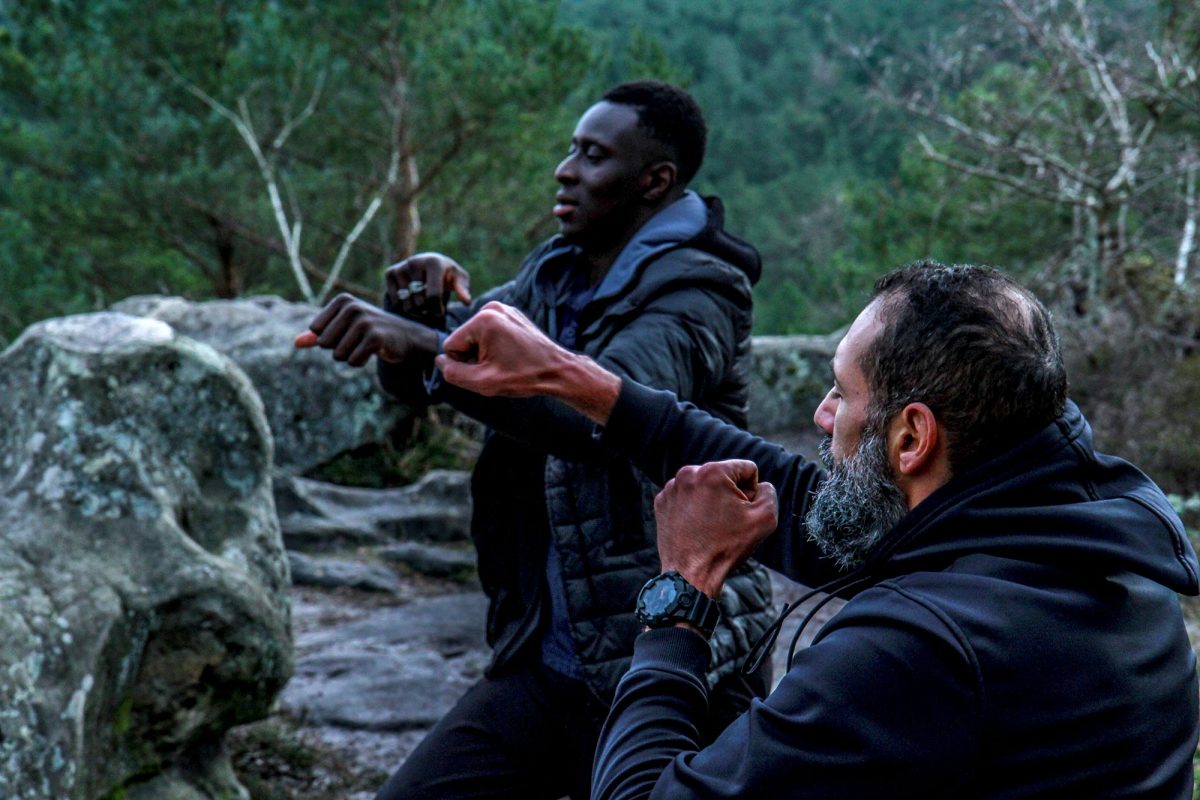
(403, 294)
(416, 287)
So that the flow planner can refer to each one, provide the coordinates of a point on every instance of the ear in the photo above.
(657, 181)
(915, 442)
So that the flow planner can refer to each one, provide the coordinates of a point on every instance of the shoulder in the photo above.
(688, 281)
(907, 613)
(696, 265)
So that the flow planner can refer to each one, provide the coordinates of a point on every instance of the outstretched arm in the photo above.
(500, 353)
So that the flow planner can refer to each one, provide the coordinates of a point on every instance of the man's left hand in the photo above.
(711, 518)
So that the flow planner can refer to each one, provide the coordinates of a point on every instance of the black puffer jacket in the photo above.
(673, 312)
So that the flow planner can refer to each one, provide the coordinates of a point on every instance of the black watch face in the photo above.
(660, 597)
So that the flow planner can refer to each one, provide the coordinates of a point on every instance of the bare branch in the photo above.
(298, 120)
(242, 123)
(365, 218)
(976, 170)
(276, 246)
(1187, 241)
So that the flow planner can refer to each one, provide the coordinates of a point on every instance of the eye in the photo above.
(594, 152)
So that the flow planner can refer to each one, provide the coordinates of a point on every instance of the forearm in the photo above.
(655, 714)
(543, 422)
(660, 435)
(405, 379)
(584, 385)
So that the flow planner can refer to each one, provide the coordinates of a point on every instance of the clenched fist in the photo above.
(711, 518)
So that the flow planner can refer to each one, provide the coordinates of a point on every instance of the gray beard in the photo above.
(858, 503)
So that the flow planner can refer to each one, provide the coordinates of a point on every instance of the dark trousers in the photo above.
(529, 733)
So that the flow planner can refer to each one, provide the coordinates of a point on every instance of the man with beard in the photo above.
(1012, 626)
(643, 278)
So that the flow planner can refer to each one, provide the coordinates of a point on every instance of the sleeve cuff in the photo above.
(673, 650)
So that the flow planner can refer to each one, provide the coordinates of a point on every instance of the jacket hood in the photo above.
(1050, 500)
(691, 222)
(713, 238)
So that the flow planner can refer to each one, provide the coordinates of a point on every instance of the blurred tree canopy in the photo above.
(851, 136)
(125, 169)
(222, 147)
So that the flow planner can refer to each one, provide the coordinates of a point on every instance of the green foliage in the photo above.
(797, 142)
(812, 143)
(119, 179)
(1196, 776)
(123, 717)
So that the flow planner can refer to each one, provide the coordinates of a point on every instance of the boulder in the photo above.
(142, 572)
(316, 407)
(789, 376)
(438, 561)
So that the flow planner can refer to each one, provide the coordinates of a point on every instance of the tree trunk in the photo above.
(228, 283)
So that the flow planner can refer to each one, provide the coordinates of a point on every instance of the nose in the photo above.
(823, 417)
(564, 173)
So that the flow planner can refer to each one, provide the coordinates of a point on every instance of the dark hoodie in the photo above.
(1021, 637)
(673, 312)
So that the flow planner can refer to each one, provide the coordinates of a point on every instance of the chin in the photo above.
(573, 234)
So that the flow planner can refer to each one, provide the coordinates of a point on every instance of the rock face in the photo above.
(334, 573)
(789, 377)
(321, 516)
(316, 407)
(142, 574)
(392, 669)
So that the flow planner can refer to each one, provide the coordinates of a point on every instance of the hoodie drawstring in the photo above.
(766, 642)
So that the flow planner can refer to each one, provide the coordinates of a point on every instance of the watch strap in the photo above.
(704, 612)
(691, 605)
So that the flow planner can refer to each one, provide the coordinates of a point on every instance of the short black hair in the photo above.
(972, 344)
(671, 116)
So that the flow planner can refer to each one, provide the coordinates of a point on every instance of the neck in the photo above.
(600, 256)
(600, 260)
(916, 490)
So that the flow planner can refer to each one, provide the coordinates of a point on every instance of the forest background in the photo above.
(233, 147)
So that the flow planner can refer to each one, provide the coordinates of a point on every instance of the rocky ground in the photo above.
(373, 671)
(388, 633)
(388, 624)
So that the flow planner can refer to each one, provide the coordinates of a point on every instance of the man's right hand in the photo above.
(499, 352)
(356, 330)
(420, 286)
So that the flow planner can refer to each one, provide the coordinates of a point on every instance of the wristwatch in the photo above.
(669, 598)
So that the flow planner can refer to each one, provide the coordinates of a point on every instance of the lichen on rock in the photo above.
(141, 566)
(317, 408)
